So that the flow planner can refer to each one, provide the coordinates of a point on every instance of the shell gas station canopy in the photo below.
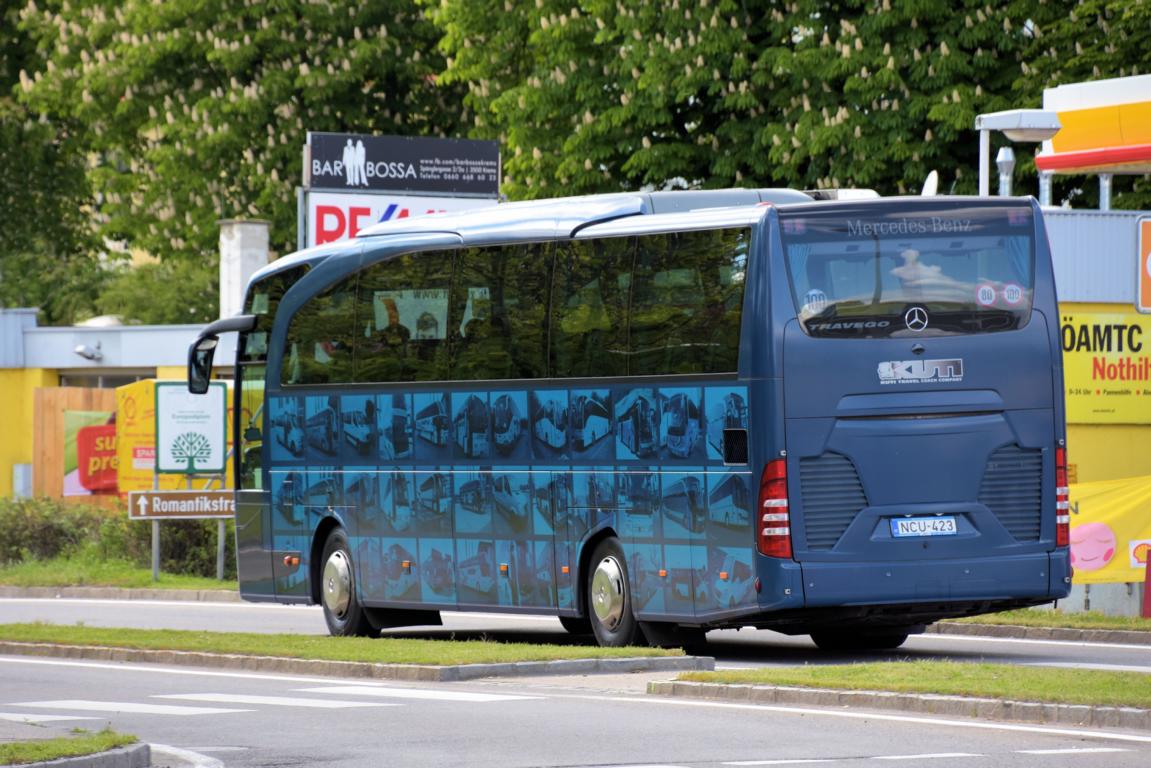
(1106, 127)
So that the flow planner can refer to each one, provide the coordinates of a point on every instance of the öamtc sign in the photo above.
(360, 163)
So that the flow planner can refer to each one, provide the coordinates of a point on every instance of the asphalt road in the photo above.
(745, 648)
(246, 719)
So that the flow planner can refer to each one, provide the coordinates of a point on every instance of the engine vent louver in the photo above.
(832, 497)
(1012, 488)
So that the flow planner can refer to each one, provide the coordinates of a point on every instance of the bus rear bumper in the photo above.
(1040, 577)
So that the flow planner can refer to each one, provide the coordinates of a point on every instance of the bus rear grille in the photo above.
(1013, 489)
(832, 497)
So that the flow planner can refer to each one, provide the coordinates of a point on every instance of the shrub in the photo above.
(42, 529)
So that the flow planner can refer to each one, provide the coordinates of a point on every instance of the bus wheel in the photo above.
(342, 610)
(609, 597)
(576, 625)
(863, 641)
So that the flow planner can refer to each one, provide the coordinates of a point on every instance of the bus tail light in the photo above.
(773, 529)
(1062, 500)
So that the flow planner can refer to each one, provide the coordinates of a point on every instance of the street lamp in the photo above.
(1016, 125)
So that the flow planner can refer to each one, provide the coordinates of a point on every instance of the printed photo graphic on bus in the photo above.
(549, 424)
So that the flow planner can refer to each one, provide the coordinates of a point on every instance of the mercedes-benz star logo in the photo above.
(916, 319)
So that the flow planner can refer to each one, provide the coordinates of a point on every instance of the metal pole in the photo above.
(1104, 191)
(221, 532)
(984, 161)
(1045, 178)
(155, 550)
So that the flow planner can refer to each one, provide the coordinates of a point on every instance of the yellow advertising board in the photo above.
(1107, 367)
(1111, 530)
(136, 439)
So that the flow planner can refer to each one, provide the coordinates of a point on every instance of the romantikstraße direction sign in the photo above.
(180, 505)
(349, 162)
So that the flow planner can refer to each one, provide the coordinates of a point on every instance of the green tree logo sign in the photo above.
(191, 447)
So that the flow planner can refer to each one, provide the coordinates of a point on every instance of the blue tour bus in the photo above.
(865, 424)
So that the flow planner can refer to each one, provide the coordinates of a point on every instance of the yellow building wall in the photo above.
(174, 372)
(17, 386)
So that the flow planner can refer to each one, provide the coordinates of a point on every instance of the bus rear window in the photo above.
(874, 272)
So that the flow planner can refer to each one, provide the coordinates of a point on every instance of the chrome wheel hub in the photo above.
(337, 583)
(607, 592)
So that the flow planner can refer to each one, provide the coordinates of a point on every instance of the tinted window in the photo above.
(589, 319)
(320, 338)
(402, 325)
(499, 313)
(262, 300)
(686, 303)
(872, 272)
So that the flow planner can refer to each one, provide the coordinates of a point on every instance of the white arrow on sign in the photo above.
(142, 505)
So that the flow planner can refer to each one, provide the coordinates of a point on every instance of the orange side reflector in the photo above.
(662, 572)
(407, 565)
(504, 568)
(565, 569)
(723, 575)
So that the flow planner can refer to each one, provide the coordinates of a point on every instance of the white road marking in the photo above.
(415, 693)
(164, 670)
(85, 705)
(871, 715)
(18, 718)
(936, 756)
(184, 757)
(797, 761)
(271, 701)
(1073, 751)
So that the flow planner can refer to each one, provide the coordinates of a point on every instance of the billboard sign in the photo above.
(332, 216)
(429, 166)
(191, 430)
(1107, 367)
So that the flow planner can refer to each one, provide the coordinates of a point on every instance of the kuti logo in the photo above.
(356, 169)
(920, 371)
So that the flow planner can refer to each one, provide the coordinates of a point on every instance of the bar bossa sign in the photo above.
(1107, 367)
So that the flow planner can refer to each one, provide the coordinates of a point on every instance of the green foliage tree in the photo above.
(714, 93)
(47, 251)
(172, 291)
(198, 111)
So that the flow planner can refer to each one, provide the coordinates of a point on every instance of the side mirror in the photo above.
(200, 364)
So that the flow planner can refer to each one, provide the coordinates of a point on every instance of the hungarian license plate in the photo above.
(942, 525)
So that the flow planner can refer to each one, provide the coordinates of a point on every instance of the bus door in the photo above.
(919, 375)
(258, 434)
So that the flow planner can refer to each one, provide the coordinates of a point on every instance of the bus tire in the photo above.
(576, 625)
(859, 641)
(609, 597)
(343, 612)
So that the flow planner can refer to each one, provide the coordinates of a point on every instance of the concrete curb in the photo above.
(354, 669)
(923, 704)
(116, 593)
(134, 756)
(1128, 637)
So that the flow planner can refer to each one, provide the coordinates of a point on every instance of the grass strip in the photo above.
(385, 650)
(1056, 619)
(71, 572)
(992, 681)
(82, 743)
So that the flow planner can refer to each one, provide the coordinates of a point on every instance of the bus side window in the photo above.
(499, 311)
(589, 307)
(320, 337)
(402, 319)
(687, 302)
